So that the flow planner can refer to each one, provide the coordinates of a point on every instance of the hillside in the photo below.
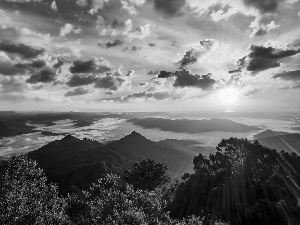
(74, 162)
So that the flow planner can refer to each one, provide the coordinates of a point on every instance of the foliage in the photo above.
(147, 175)
(26, 198)
(242, 183)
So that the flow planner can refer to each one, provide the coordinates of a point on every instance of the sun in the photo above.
(228, 95)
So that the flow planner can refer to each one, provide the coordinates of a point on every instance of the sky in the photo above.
(149, 55)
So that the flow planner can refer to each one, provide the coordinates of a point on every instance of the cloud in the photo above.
(133, 49)
(76, 92)
(264, 6)
(110, 82)
(263, 57)
(80, 80)
(140, 32)
(169, 8)
(130, 73)
(12, 85)
(45, 75)
(8, 68)
(260, 26)
(20, 49)
(190, 57)
(128, 8)
(67, 29)
(293, 75)
(111, 44)
(164, 74)
(54, 6)
(89, 66)
(152, 73)
(185, 79)
(151, 44)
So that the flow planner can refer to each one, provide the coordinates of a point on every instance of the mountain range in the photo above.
(79, 162)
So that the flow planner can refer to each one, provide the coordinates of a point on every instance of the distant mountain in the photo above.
(75, 162)
(193, 126)
(289, 142)
(269, 133)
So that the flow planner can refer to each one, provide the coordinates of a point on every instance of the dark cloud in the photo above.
(130, 73)
(262, 58)
(238, 70)
(21, 49)
(109, 82)
(81, 80)
(36, 64)
(117, 24)
(142, 84)
(7, 68)
(104, 69)
(89, 66)
(264, 6)
(109, 92)
(293, 75)
(45, 75)
(111, 44)
(135, 48)
(208, 43)
(151, 44)
(169, 8)
(76, 92)
(132, 49)
(190, 57)
(80, 66)
(164, 74)
(185, 79)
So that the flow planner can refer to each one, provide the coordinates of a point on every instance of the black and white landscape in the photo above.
(176, 112)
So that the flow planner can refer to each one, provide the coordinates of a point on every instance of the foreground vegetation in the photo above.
(242, 183)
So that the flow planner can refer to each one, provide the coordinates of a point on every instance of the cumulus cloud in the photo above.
(67, 29)
(261, 26)
(89, 66)
(76, 92)
(21, 49)
(12, 85)
(185, 78)
(128, 8)
(81, 80)
(293, 75)
(169, 8)
(263, 57)
(45, 75)
(53, 6)
(191, 56)
(164, 74)
(109, 82)
(111, 44)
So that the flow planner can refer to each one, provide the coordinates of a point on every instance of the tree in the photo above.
(26, 198)
(242, 183)
(147, 175)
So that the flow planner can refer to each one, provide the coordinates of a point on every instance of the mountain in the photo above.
(269, 133)
(75, 162)
(193, 126)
